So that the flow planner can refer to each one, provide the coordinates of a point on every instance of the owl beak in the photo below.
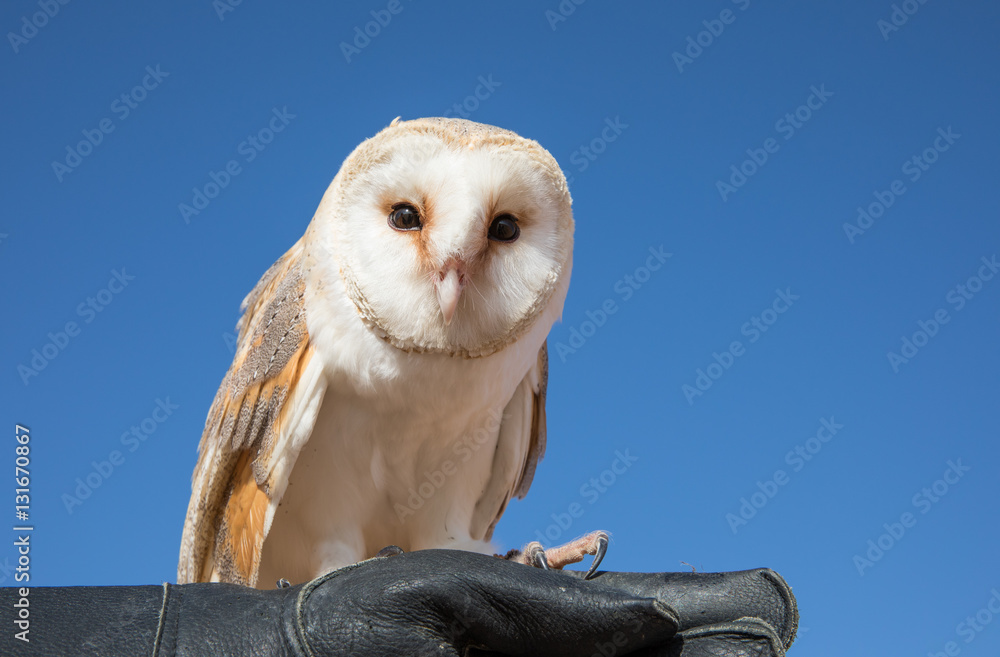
(450, 282)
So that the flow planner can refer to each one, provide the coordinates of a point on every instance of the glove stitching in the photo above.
(764, 630)
(791, 609)
(163, 619)
(300, 602)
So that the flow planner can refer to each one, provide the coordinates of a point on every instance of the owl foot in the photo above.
(533, 554)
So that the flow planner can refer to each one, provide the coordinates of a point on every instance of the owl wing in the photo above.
(263, 412)
(520, 446)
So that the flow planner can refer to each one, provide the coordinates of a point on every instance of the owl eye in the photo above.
(504, 228)
(405, 217)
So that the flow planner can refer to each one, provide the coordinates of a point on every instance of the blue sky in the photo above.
(769, 150)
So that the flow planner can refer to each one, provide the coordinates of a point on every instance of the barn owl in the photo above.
(390, 376)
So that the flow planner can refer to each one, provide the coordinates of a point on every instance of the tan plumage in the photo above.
(347, 350)
(225, 529)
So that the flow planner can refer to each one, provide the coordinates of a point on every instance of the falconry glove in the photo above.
(432, 602)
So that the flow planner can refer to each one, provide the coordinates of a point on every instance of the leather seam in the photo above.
(791, 619)
(740, 626)
(301, 599)
(163, 619)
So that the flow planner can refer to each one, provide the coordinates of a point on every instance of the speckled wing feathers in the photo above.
(224, 530)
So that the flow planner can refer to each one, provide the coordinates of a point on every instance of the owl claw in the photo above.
(602, 549)
(389, 551)
(534, 555)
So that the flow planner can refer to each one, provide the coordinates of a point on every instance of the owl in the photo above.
(389, 383)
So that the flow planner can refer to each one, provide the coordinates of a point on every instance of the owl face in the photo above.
(450, 236)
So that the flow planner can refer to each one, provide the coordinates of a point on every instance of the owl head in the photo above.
(450, 236)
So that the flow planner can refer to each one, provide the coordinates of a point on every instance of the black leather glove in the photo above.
(748, 612)
(433, 602)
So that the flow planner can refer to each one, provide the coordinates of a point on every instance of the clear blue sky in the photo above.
(839, 106)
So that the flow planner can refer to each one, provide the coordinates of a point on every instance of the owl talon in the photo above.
(389, 551)
(602, 549)
(284, 583)
(533, 554)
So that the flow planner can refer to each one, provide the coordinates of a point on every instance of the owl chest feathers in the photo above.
(400, 453)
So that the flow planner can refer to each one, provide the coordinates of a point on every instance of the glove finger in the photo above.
(748, 637)
(710, 598)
